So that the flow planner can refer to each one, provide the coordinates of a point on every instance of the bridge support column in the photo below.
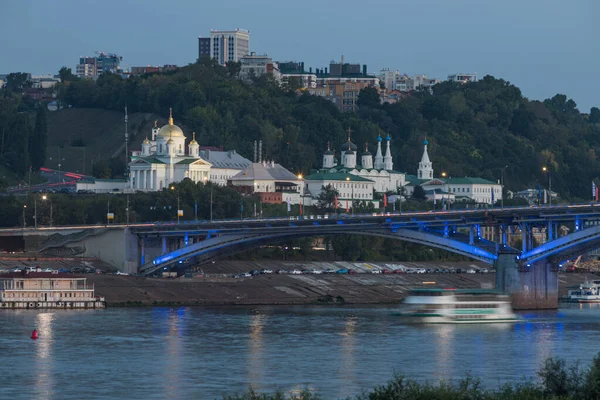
(142, 250)
(164, 245)
(532, 287)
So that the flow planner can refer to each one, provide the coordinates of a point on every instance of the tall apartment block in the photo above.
(92, 67)
(225, 46)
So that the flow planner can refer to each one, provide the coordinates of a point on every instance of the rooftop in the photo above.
(336, 176)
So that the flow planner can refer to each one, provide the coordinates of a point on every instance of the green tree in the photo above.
(327, 198)
(101, 169)
(234, 68)
(368, 97)
(419, 193)
(38, 141)
(17, 81)
(66, 75)
(594, 115)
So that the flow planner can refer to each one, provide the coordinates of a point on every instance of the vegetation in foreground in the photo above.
(556, 381)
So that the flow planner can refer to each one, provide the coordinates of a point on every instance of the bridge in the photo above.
(528, 273)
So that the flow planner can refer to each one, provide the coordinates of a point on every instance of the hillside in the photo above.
(82, 136)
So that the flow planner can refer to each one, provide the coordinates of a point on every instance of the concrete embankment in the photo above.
(277, 289)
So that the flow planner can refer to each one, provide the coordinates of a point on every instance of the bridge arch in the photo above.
(229, 244)
(564, 248)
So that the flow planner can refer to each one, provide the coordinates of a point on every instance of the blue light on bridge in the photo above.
(340, 222)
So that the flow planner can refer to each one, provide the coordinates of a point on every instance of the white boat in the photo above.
(457, 306)
(587, 292)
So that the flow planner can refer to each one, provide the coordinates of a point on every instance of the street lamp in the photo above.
(547, 169)
(24, 208)
(302, 193)
(351, 198)
(502, 186)
(178, 210)
(44, 197)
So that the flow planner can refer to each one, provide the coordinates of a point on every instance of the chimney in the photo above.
(365, 69)
(259, 150)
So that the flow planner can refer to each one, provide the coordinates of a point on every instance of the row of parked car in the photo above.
(75, 270)
(348, 271)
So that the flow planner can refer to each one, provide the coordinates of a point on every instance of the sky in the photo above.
(544, 47)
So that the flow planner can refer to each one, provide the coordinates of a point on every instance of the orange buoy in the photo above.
(34, 334)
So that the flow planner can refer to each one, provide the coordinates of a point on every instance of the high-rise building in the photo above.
(225, 46)
(254, 66)
(92, 67)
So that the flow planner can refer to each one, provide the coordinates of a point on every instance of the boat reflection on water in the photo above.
(457, 306)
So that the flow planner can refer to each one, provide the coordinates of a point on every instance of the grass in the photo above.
(557, 381)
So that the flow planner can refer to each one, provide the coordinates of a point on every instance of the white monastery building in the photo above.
(164, 160)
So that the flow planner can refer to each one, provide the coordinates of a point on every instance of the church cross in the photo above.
(349, 132)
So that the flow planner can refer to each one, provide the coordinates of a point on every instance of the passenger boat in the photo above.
(457, 306)
(587, 292)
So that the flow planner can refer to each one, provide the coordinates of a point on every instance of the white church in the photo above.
(164, 160)
(380, 171)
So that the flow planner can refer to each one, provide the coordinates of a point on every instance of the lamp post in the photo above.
(173, 188)
(211, 197)
(24, 208)
(351, 198)
(45, 197)
(547, 169)
(502, 186)
(302, 193)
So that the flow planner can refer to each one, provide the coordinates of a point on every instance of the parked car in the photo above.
(483, 271)
(64, 271)
(399, 271)
(352, 271)
(470, 271)
(429, 271)
(48, 270)
(296, 272)
(282, 271)
(329, 271)
(375, 271)
(459, 270)
(316, 271)
(386, 271)
(342, 271)
(266, 271)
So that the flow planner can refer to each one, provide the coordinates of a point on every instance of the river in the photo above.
(205, 353)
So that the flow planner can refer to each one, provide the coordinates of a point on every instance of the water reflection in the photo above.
(444, 345)
(255, 368)
(348, 366)
(44, 377)
(175, 324)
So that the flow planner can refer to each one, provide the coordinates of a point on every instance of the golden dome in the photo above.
(193, 138)
(170, 130)
(170, 141)
(146, 141)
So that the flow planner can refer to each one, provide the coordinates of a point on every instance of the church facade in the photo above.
(164, 160)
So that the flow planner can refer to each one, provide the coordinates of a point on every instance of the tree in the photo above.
(38, 141)
(66, 75)
(594, 115)
(368, 97)
(419, 193)
(17, 81)
(101, 169)
(233, 68)
(327, 197)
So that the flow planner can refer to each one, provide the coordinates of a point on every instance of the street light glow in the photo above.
(443, 174)
(44, 197)
(300, 176)
(544, 169)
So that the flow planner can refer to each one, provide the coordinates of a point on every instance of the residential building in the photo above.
(163, 160)
(253, 65)
(388, 77)
(44, 81)
(269, 177)
(225, 46)
(351, 188)
(463, 78)
(224, 164)
(467, 189)
(152, 70)
(92, 67)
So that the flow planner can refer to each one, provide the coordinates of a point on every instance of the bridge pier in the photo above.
(532, 287)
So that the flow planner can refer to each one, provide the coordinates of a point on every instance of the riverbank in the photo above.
(216, 287)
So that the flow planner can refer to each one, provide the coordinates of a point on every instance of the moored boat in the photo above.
(587, 292)
(457, 306)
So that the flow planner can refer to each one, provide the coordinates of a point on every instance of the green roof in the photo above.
(188, 161)
(468, 180)
(151, 160)
(335, 176)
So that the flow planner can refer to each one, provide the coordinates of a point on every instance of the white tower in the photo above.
(378, 156)
(367, 158)
(425, 170)
(146, 146)
(350, 159)
(328, 158)
(194, 147)
(155, 130)
(388, 164)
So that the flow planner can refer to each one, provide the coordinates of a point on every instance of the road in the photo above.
(55, 180)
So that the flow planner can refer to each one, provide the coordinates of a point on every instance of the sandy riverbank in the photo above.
(275, 289)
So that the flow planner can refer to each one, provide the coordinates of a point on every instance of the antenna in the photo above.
(126, 146)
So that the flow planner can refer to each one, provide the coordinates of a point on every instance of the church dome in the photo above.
(170, 130)
(170, 141)
(349, 146)
(350, 152)
(146, 141)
